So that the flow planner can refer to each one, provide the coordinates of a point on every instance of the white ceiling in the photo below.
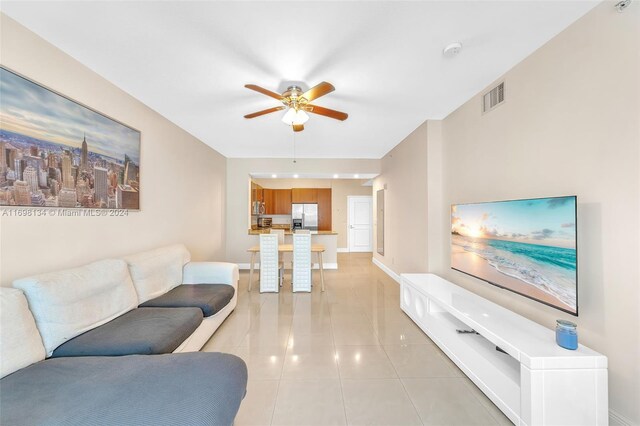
(190, 60)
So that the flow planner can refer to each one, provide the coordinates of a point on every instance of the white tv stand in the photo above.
(536, 382)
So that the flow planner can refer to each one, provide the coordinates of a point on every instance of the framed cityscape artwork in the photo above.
(55, 152)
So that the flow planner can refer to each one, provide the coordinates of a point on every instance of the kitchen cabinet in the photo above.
(257, 193)
(324, 209)
(277, 201)
(304, 195)
(267, 196)
(282, 201)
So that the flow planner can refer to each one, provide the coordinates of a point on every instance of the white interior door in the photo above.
(360, 226)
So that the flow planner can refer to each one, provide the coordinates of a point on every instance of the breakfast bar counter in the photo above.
(287, 231)
(328, 239)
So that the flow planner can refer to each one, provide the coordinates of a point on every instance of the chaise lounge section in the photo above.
(192, 388)
(114, 331)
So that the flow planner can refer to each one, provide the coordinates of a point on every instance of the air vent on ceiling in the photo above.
(493, 98)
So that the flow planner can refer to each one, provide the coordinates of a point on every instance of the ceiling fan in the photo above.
(298, 104)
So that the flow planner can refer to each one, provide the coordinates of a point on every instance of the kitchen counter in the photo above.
(259, 231)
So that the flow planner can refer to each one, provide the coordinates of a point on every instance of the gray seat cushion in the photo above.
(211, 298)
(175, 389)
(143, 331)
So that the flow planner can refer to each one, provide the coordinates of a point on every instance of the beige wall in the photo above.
(570, 125)
(238, 198)
(182, 180)
(340, 190)
(404, 172)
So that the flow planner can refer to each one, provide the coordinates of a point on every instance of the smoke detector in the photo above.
(452, 49)
(622, 5)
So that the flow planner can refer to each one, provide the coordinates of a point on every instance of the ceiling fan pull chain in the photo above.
(294, 148)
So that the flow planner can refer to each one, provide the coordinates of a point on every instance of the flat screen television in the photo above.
(526, 246)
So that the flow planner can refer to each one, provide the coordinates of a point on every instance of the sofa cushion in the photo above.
(144, 331)
(20, 342)
(155, 272)
(211, 298)
(175, 389)
(68, 303)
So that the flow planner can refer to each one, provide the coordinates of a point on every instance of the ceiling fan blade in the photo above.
(319, 90)
(298, 127)
(331, 113)
(264, 111)
(264, 91)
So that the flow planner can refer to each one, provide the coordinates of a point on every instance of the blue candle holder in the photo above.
(566, 334)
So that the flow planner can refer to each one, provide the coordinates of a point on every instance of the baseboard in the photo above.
(386, 269)
(617, 419)
(246, 266)
(342, 250)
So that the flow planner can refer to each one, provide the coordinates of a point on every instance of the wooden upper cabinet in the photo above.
(324, 209)
(257, 192)
(277, 201)
(304, 195)
(269, 201)
(282, 201)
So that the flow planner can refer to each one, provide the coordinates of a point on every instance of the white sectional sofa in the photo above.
(74, 302)
(112, 361)
(157, 272)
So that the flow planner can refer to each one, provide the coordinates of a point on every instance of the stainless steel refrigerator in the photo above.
(308, 213)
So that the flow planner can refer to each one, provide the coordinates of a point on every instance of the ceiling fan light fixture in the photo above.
(292, 117)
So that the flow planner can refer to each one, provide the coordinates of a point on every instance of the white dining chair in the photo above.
(269, 263)
(301, 275)
(280, 234)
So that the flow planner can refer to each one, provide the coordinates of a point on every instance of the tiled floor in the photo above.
(345, 356)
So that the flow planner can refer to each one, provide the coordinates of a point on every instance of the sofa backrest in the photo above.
(155, 272)
(20, 342)
(67, 303)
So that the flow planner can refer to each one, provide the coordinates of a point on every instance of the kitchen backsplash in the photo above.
(280, 219)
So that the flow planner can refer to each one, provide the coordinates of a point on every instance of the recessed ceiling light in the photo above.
(452, 49)
(335, 176)
(295, 176)
(274, 176)
(356, 176)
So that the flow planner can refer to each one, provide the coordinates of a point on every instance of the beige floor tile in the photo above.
(420, 361)
(401, 334)
(446, 401)
(306, 341)
(378, 402)
(309, 324)
(262, 365)
(257, 406)
(364, 362)
(267, 337)
(361, 334)
(309, 402)
(310, 363)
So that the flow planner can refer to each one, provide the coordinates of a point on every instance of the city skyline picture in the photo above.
(55, 152)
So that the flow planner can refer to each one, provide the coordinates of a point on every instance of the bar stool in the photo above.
(269, 264)
(301, 275)
(280, 234)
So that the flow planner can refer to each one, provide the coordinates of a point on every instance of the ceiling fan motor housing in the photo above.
(292, 98)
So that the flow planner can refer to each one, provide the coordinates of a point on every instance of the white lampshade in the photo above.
(295, 117)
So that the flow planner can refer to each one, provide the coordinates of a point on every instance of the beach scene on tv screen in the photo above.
(527, 246)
